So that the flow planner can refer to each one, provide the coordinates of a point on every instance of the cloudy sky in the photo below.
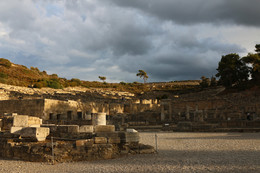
(169, 39)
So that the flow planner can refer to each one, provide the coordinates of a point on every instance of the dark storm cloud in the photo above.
(178, 63)
(170, 39)
(245, 12)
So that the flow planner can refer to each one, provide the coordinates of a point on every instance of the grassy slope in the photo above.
(19, 75)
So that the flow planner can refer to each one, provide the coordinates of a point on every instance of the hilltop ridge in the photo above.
(20, 75)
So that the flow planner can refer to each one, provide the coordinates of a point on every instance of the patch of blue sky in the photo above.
(83, 17)
(54, 10)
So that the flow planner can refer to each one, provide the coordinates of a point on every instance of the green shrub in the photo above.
(38, 85)
(23, 66)
(2, 80)
(55, 76)
(35, 69)
(72, 84)
(41, 83)
(5, 62)
(3, 75)
(75, 82)
(44, 73)
(54, 83)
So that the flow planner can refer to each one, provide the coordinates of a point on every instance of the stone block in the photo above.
(99, 119)
(131, 130)
(80, 143)
(100, 140)
(34, 121)
(107, 134)
(14, 114)
(84, 142)
(114, 140)
(16, 130)
(104, 128)
(129, 137)
(86, 129)
(52, 127)
(89, 142)
(68, 129)
(40, 133)
(20, 121)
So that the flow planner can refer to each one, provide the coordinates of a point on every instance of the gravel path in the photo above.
(177, 152)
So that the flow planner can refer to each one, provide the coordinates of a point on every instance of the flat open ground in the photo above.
(177, 152)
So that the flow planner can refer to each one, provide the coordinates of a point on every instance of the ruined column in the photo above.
(99, 119)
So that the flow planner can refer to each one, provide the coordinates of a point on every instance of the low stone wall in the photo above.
(28, 139)
(13, 147)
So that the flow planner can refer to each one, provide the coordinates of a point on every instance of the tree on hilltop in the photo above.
(254, 60)
(103, 78)
(142, 74)
(232, 70)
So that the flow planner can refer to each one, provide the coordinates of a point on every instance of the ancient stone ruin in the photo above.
(207, 111)
(25, 137)
(72, 113)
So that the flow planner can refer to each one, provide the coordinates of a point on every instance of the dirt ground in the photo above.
(177, 152)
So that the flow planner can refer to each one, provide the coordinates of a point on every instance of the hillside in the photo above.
(19, 75)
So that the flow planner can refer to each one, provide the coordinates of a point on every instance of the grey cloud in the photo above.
(179, 61)
(92, 38)
(17, 15)
(199, 11)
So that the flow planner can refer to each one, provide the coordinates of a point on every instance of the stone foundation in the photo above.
(28, 139)
(13, 147)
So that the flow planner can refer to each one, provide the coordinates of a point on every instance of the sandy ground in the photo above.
(177, 152)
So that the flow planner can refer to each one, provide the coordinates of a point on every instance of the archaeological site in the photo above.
(129, 86)
(90, 124)
(59, 130)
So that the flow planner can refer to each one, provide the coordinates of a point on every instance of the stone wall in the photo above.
(208, 107)
(69, 144)
(23, 107)
(67, 151)
(70, 110)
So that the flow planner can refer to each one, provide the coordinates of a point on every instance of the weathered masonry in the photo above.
(25, 137)
(209, 110)
(48, 109)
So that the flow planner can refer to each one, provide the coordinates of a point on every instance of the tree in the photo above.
(232, 70)
(103, 78)
(254, 60)
(257, 49)
(213, 81)
(142, 74)
(205, 82)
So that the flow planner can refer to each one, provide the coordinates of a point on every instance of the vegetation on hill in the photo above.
(19, 75)
(233, 72)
